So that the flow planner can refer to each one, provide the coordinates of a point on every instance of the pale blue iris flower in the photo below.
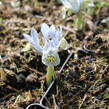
(72, 4)
(76, 5)
(52, 42)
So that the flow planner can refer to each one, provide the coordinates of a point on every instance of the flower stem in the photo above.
(79, 21)
(50, 74)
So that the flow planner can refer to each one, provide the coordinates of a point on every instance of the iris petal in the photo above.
(34, 35)
(45, 30)
(52, 31)
(28, 38)
(72, 4)
(31, 40)
(51, 59)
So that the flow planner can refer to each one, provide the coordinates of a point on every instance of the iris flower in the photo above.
(77, 6)
(72, 4)
(52, 42)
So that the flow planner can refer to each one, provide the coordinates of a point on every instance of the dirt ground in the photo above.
(83, 83)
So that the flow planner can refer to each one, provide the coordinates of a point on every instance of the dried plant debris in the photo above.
(84, 81)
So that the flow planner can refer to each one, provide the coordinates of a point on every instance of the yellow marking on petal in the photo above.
(51, 59)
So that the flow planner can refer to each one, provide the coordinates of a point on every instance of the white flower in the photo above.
(52, 39)
(77, 5)
(72, 4)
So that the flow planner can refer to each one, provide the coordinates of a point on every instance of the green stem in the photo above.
(90, 11)
(79, 21)
(50, 74)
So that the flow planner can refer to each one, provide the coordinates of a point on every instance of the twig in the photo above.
(68, 29)
(32, 69)
(85, 96)
(17, 99)
(43, 18)
(54, 101)
(65, 62)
